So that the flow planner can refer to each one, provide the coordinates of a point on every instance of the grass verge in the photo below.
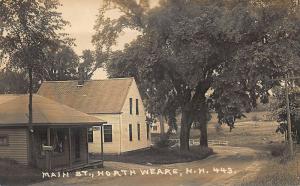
(12, 173)
(280, 171)
(156, 155)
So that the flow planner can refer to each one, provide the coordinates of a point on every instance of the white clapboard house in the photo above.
(116, 101)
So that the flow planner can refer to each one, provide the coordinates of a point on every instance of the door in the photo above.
(77, 135)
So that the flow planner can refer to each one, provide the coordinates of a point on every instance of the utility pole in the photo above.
(30, 113)
(30, 100)
(288, 111)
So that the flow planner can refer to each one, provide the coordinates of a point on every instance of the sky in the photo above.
(82, 15)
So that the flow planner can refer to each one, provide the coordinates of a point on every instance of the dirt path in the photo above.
(239, 162)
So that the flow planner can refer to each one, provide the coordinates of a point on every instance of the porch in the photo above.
(63, 148)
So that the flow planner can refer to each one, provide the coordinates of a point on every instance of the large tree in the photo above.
(29, 29)
(32, 40)
(13, 81)
(61, 64)
(187, 48)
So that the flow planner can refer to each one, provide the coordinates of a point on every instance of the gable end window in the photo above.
(130, 105)
(130, 132)
(107, 133)
(137, 106)
(3, 140)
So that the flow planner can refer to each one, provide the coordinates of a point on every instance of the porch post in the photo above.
(87, 145)
(102, 144)
(48, 153)
(70, 148)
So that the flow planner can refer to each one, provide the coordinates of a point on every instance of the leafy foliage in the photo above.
(193, 56)
(13, 82)
(31, 38)
(279, 111)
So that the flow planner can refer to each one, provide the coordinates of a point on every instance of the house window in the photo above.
(139, 131)
(154, 128)
(3, 140)
(90, 135)
(107, 133)
(148, 130)
(130, 132)
(137, 106)
(130, 105)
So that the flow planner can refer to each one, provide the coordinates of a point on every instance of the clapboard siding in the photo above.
(134, 119)
(108, 147)
(17, 148)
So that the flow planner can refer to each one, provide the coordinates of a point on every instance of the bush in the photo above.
(197, 152)
(282, 152)
(164, 142)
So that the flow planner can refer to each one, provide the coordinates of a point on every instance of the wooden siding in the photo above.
(134, 119)
(120, 126)
(17, 148)
(108, 147)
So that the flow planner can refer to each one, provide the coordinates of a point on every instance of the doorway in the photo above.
(77, 134)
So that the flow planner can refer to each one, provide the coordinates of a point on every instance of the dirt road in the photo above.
(228, 166)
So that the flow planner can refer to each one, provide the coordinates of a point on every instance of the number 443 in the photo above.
(223, 170)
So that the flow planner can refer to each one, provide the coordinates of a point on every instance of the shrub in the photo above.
(282, 152)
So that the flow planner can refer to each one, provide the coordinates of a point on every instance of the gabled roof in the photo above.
(7, 97)
(14, 112)
(95, 96)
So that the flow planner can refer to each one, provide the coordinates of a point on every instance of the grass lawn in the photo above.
(276, 174)
(12, 173)
(247, 133)
(156, 155)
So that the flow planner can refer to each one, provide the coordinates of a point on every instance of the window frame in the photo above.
(130, 132)
(148, 130)
(111, 134)
(90, 134)
(130, 106)
(7, 140)
(139, 131)
(137, 111)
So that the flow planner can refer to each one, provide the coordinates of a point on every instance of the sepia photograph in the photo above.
(149, 92)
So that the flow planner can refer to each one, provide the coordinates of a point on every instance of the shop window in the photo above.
(58, 140)
(90, 135)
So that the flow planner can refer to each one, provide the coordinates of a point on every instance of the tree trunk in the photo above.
(162, 127)
(203, 135)
(203, 120)
(185, 131)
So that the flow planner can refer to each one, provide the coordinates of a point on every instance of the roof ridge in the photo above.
(110, 79)
(12, 94)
